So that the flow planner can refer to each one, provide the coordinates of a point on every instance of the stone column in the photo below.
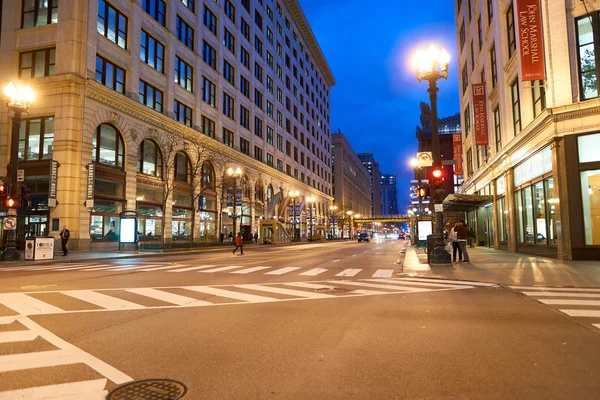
(252, 206)
(512, 211)
(563, 229)
(196, 220)
(168, 218)
(219, 196)
(495, 224)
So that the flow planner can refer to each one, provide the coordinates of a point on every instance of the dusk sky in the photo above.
(375, 101)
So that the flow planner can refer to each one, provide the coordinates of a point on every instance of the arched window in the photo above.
(182, 167)
(259, 194)
(208, 175)
(246, 186)
(108, 146)
(269, 193)
(150, 161)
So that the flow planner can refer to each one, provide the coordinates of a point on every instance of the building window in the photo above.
(258, 153)
(279, 142)
(538, 93)
(258, 20)
(110, 75)
(258, 98)
(469, 162)
(589, 60)
(152, 52)
(183, 74)
(279, 165)
(490, 11)
(108, 146)
(150, 96)
(228, 106)
(269, 135)
(269, 84)
(208, 127)
(39, 12)
(494, 66)
(245, 29)
(479, 34)
(462, 36)
(36, 64)
(182, 113)
(465, 79)
(245, 58)
(246, 5)
(472, 56)
(258, 72)
(190, 4)
(184, 33)
(269, 35)
(510, 29)
(258, 127)
(36, 139)
(467, 120)
(229, 40)
(244, 86)
(288, 148)
(229, 10)
(228, 137)
(497, 129)
(590, 191)
(112, 24)
(209, 91)
(270, 59)
(258, 45)
(150, 160)
(182, 167)
(156, 9)
(269, 109)
(229, 72)
(270, 159)
(210, 20)
(244, 117)
(245, 146)
(516, 106)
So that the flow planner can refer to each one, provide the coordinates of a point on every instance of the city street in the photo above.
(324, 320)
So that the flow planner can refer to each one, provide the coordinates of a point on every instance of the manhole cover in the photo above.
(149, 389)
(332, 290)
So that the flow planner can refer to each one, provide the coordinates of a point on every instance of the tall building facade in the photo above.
(372, 166)
(538, 174)
(351, 183)
(389, 195)
(145, 104)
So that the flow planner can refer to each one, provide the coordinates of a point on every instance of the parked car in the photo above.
(363, 237)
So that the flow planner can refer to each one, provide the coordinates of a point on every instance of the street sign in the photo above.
(439, 208)
(424, 159)
(10, 223)
(448, 162)
(12, 212)
(20, 175)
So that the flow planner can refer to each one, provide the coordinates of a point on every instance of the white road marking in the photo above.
(449, 281)
(102, 300)
(562, 294)
(161, 268)
(17, 336)
(230, 294)
(89, 390)
(403, 282)
(288, 292)
(7, 320)
(353, 255)
(314, 272)
(27, 305)
(249, 270)
(376, 286)
(170, 297)
(571, 302)
(383, 273)
(220, 269)
(596, 325)
(582, 313)
(282, 271)
(39, 359)
(136, 267)
(336, 260)
(547, 289)
(316, 287)
(349, 272)
(191, 268)
(80, 267)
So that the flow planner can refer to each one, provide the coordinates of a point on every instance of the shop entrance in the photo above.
(36, 225)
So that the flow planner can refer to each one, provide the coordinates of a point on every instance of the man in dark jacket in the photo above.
(65, 235)
(462, 234)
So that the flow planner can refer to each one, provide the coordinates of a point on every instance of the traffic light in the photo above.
(422, 192)
(437, 177)
(9, 202)
(2, 189)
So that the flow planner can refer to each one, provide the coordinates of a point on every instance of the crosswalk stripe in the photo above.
(288, 292)
(582, 313)
(282, 271)
(316, 287)
(191, 268)
(7, 320)
(349, 272)
(169, 297)
(383, 273)
(40, 359)
(17, 336)
(102, 300)
(596, 325)
(89, 390)
(27, 305)
(159, 268)
(230, 294)
(249, 270)
(79, 267)
(450, 281)
(548, 289)
(132, 268)
(571, 302)
(418, 284)
(377, 286)
(562, 294)
(314, 272)
(220, 269)
(336, 260)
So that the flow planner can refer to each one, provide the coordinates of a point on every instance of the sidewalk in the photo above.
(489, 265)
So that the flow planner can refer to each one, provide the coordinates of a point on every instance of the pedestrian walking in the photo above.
(255, 237)
(239, 243)
(455, 246)
(230, 237)
(462, 235)
(65, 235)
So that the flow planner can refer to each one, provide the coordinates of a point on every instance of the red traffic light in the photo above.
(437, 173)
(10, 202)
(2, 188)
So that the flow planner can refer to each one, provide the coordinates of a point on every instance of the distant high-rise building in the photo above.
(372, 167)
(389, 195)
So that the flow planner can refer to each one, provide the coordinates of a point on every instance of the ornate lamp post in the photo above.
(19, 100)
(427, 69)
(234, 174)
(310, 200)
(349, 214)
(294, 194)
(333, 210)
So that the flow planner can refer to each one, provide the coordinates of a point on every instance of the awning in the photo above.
(465, 202)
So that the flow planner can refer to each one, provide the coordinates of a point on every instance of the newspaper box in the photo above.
(39, 248)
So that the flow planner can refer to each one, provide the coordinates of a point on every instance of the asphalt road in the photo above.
(321, 321)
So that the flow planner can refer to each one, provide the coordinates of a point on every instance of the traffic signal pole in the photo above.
(10, 252)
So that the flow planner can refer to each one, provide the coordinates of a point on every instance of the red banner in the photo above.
(531, 41)
(457, 150)
(480, 123)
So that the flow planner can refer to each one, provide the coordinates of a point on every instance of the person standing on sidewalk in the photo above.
(239, 243)
(65, 235)
(462, 235)
(455, 246)
(255, 237)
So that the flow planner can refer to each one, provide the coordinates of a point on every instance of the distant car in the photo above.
(363, 237)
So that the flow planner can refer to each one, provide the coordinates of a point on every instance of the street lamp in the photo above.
(294, 194)
(19, 100)
(427, 69)
(333, 210)
(234, 174)
(310, 200)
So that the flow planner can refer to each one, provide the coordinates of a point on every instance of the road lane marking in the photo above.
(27, 305)
(89, 390)
(349, 272)
(102, 300)
(336, 260)
(449, 281)
(548, 289)
(314, 272)
(353, 255)
(377, 286)
(230, 294)
(8, 320)
(322, 287)
(161, 268)
(169, 297)
(136, 267)
(191, 268)
(17, 336)
(249, 270)
(570, 302)
(383, 273)
(220, 269)
(403, 282)
(282, 271)
(582, 313)
(79, 267)
(596, 325)
(562, 294)
(288, 292)
(38, 359)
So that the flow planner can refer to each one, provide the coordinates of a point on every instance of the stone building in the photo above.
(389, 194)
(372, 166)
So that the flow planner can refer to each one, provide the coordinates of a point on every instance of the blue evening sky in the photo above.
(369, 45)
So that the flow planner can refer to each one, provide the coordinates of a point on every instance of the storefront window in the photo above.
(519, 202)
(590, 195)
(588, 146)
(551, 202)
(150, 223)
(149, 194)
(108, 188)
(540, 213)
(528, 208)
(181, 226)
(105, 220)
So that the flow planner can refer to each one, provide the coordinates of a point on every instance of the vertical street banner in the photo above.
(53, 183)
(458, 153)
(91, 177)
(480, 124)
(531, 41)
